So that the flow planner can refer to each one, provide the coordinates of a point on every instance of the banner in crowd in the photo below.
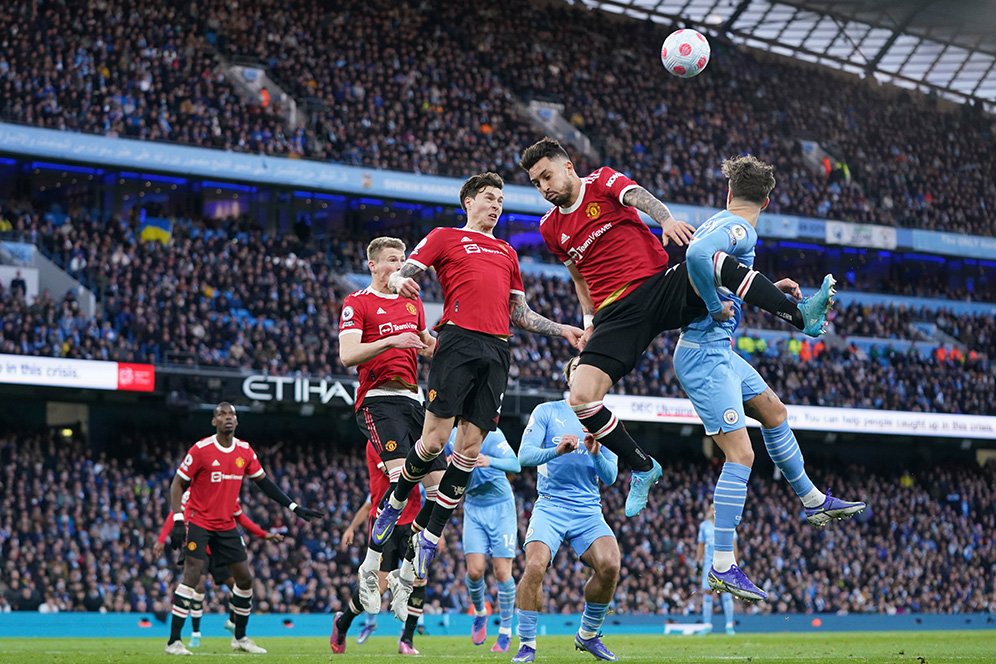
(80, 374)
(152, 157)
(816, 418)
(860, 235)
(298, 389)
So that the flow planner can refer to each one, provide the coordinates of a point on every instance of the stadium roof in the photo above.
(945, 46)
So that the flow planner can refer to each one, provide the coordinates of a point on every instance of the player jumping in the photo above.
(482, 295)
(627, 292)
(382, 334)
(568, 509)
(213, 470)
(490, 528)
(722, 385)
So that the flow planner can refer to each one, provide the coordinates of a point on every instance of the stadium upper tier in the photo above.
(435, 87)
(234, 297)
(77, 529)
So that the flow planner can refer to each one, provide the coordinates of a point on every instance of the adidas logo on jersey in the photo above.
(465, 239)
(381, 311)
(216, 463)
(564, 237)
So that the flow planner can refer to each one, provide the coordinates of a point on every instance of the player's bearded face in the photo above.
(551, 178)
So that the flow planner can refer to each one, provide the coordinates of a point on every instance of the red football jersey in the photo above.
(612, 248)
(375, 316)
(478, 273)
(215, 474)
(379, 484)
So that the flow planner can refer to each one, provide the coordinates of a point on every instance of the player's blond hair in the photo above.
(750, 178)
(379, 244)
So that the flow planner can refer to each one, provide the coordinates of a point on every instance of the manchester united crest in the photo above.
(191, 546)
(391, 445)
(410, 308)
(593, 210)
(432, 396)
(240, 462)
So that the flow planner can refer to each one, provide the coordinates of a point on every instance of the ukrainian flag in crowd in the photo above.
(155, 229)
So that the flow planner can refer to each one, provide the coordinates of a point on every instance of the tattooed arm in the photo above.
(527, 319)
(402, 283)
(644, 201)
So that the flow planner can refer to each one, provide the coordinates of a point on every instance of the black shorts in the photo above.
(625, 329)
(227, 546)
(395, 548)
(391, 424)
(468, 377)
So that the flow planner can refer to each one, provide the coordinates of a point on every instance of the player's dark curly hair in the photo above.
(750, 178)
(545, 147)
(475, 183)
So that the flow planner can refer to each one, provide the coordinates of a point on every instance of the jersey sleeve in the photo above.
(615, 183)
(166, 529)
(190, 464)
(351, 317)
(254, 469)
(701, 538)
(531, 452)
(428, 251)
(703, 263)
(502, 455)
(251, 527)
(606, 465)
(422, 323)
(516, 287)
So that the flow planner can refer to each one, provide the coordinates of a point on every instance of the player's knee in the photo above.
(535, 569)
(743, 455)
(775, 414)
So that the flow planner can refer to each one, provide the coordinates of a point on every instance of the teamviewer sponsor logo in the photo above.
(220, 477)
(577, 253)
(386, 329)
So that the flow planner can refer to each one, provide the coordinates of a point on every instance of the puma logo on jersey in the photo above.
(216, 463)
(564, 237)
(381, 311)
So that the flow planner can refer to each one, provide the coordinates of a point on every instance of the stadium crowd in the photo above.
(151, 71)
(77, 530)
(235, 297)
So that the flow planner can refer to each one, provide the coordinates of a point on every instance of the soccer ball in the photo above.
(685, 53)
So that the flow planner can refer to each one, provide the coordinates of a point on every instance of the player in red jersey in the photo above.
(482, 296)
(393, 555)
(628, 293)
(213, 470)
(222, 574)
(382, 334)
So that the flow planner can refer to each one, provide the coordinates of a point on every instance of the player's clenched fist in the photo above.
(567, 444)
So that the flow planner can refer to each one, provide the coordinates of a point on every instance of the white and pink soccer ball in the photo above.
(685, 53)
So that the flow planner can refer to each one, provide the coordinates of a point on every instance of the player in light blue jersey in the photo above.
(490, 528)
(568, 509)
(723, 386)
(703, 558)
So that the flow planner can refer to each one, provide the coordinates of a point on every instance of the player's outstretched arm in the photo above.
(503, 457)
(349, 534)
(402, 281)
(584, 295)
(272, 491)
(703, 269)
(644, 201)
(525, 318)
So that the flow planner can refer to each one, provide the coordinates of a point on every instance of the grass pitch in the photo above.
(967, 647)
